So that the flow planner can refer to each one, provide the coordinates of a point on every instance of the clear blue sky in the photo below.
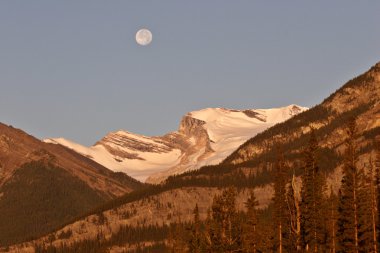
(73, 68)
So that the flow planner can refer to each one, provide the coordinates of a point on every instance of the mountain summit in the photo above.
(204, 137)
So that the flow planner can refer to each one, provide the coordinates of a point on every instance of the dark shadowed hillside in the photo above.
(43, 186)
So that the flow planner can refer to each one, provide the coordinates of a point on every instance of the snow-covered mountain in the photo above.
(204, 137)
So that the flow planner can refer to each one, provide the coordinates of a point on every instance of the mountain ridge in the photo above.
(357, 97)
(204, 137)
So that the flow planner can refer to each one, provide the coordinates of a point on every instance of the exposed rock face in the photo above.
(190, 126)
(114, 141)
(118, 142)
(195, 128)
(204, 137)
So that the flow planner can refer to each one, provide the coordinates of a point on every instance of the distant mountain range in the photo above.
(204, 137)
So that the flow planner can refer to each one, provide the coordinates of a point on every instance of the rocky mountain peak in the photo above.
(204, 137)
(363, 89)
(375, 72)
(191, 126)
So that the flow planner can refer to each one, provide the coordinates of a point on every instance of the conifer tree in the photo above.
(293, 205)
(195, 237)
(312, 194)
(250, 227)
(348, 221)
(377, 172)
(177, 241)
(209, 234)
(332, 216)
(226, 225)
(280, 215)
(171, 238)
(374, 208)
(367, 212)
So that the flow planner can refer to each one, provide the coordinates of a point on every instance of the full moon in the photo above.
(144, 37)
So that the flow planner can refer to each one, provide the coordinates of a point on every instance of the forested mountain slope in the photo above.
(43, 186)
(359, 98)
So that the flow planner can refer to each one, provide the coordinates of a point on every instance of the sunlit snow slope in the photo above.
(204, 137)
